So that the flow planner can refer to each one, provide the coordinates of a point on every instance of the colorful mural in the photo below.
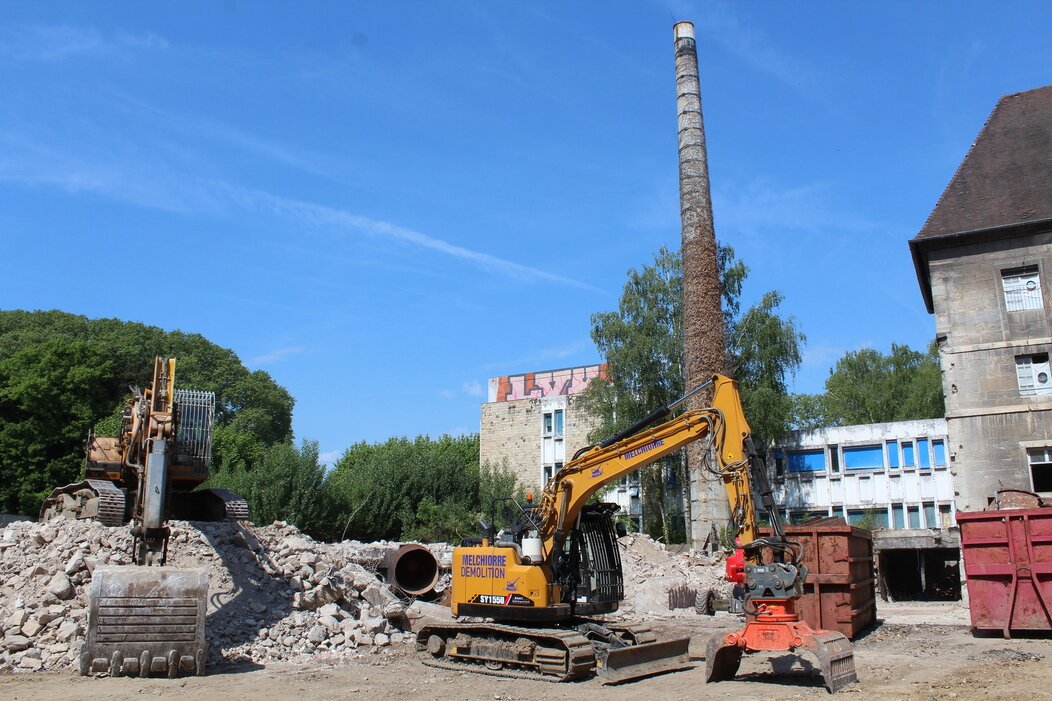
(548, 383)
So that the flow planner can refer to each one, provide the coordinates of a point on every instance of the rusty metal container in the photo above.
(840, 590)
(1008, 568)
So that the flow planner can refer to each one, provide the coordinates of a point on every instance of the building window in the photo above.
(907, 454)
(834, 458)
(548, 423)
(1022, 288)
(893, 454)
(922, 454)
(864, 457)
(558, 423)
(807, 460)
(1040, 460)
(929, 516)
(1033, 374)
(547, 474)
(938, 447)
(779, 463)
(898, 516)
(914, 516)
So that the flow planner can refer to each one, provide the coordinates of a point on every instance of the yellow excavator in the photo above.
(542, 581)
(148, 618)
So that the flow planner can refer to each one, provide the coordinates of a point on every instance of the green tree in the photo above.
(642, 343)
(286, 484)
(63, 374)
(764, 353)
(51, 393)
(868, 386)
(382, 487)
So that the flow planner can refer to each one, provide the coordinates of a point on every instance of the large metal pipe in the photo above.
(704, 345)
(412, 569)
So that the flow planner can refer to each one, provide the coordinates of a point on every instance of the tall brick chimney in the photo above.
(704, 347)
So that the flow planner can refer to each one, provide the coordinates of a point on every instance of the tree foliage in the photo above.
(642, 343)
(285, 484)
(61, 374)
(421, 488)
(868, 386)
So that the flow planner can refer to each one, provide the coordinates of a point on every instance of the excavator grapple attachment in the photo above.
(146, 620)
(636, 661)
(836, 660)
(723, 656)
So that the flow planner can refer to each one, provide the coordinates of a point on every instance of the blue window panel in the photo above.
(939, 448)
(914, 516)
(864, 457)
(907, 454)
(898, 515)
(807, 460)
(893, 453)
(929, 516)
(922, 453)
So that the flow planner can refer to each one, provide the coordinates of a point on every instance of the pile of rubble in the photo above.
(274, 593)
(651, 570)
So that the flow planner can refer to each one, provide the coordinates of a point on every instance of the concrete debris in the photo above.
(274, 595)
(651, 570)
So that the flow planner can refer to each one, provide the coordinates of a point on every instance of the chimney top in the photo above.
(683, 30)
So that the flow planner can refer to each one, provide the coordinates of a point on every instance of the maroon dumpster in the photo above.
(1008, 568)
(840, 591)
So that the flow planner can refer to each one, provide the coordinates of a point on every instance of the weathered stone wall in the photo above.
(513, 431)
(989, 424)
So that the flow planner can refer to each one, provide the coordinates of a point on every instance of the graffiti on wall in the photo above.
(549, 383)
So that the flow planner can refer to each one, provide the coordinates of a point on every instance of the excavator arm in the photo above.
(723, 424)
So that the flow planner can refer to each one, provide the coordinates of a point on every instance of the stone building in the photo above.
(983, 259)
(530, 421)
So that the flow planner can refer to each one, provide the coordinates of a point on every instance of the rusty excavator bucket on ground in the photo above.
(145, 621)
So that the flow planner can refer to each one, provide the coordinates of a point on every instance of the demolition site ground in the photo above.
(292, 618)
(918, 652)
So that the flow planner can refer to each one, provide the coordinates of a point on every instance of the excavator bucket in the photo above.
(635, 661)
(146, 620)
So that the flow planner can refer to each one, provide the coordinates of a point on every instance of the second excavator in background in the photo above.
(543, 581)
(148, 618)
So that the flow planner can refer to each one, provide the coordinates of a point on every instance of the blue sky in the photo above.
(385, 203)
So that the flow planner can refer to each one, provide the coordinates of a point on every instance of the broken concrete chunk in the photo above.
(60, 586)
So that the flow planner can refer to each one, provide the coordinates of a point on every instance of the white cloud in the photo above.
(472, 388)
(275, 355)
(329, 457)
(130, 175)
(47, 43)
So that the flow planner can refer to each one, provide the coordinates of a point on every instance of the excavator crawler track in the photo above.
(507, 651)
(100, 500)
(209, 505)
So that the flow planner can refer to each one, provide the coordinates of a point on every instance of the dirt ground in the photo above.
(918, 651)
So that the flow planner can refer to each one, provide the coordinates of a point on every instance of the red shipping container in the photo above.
(1008, 568)
(840, 591)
